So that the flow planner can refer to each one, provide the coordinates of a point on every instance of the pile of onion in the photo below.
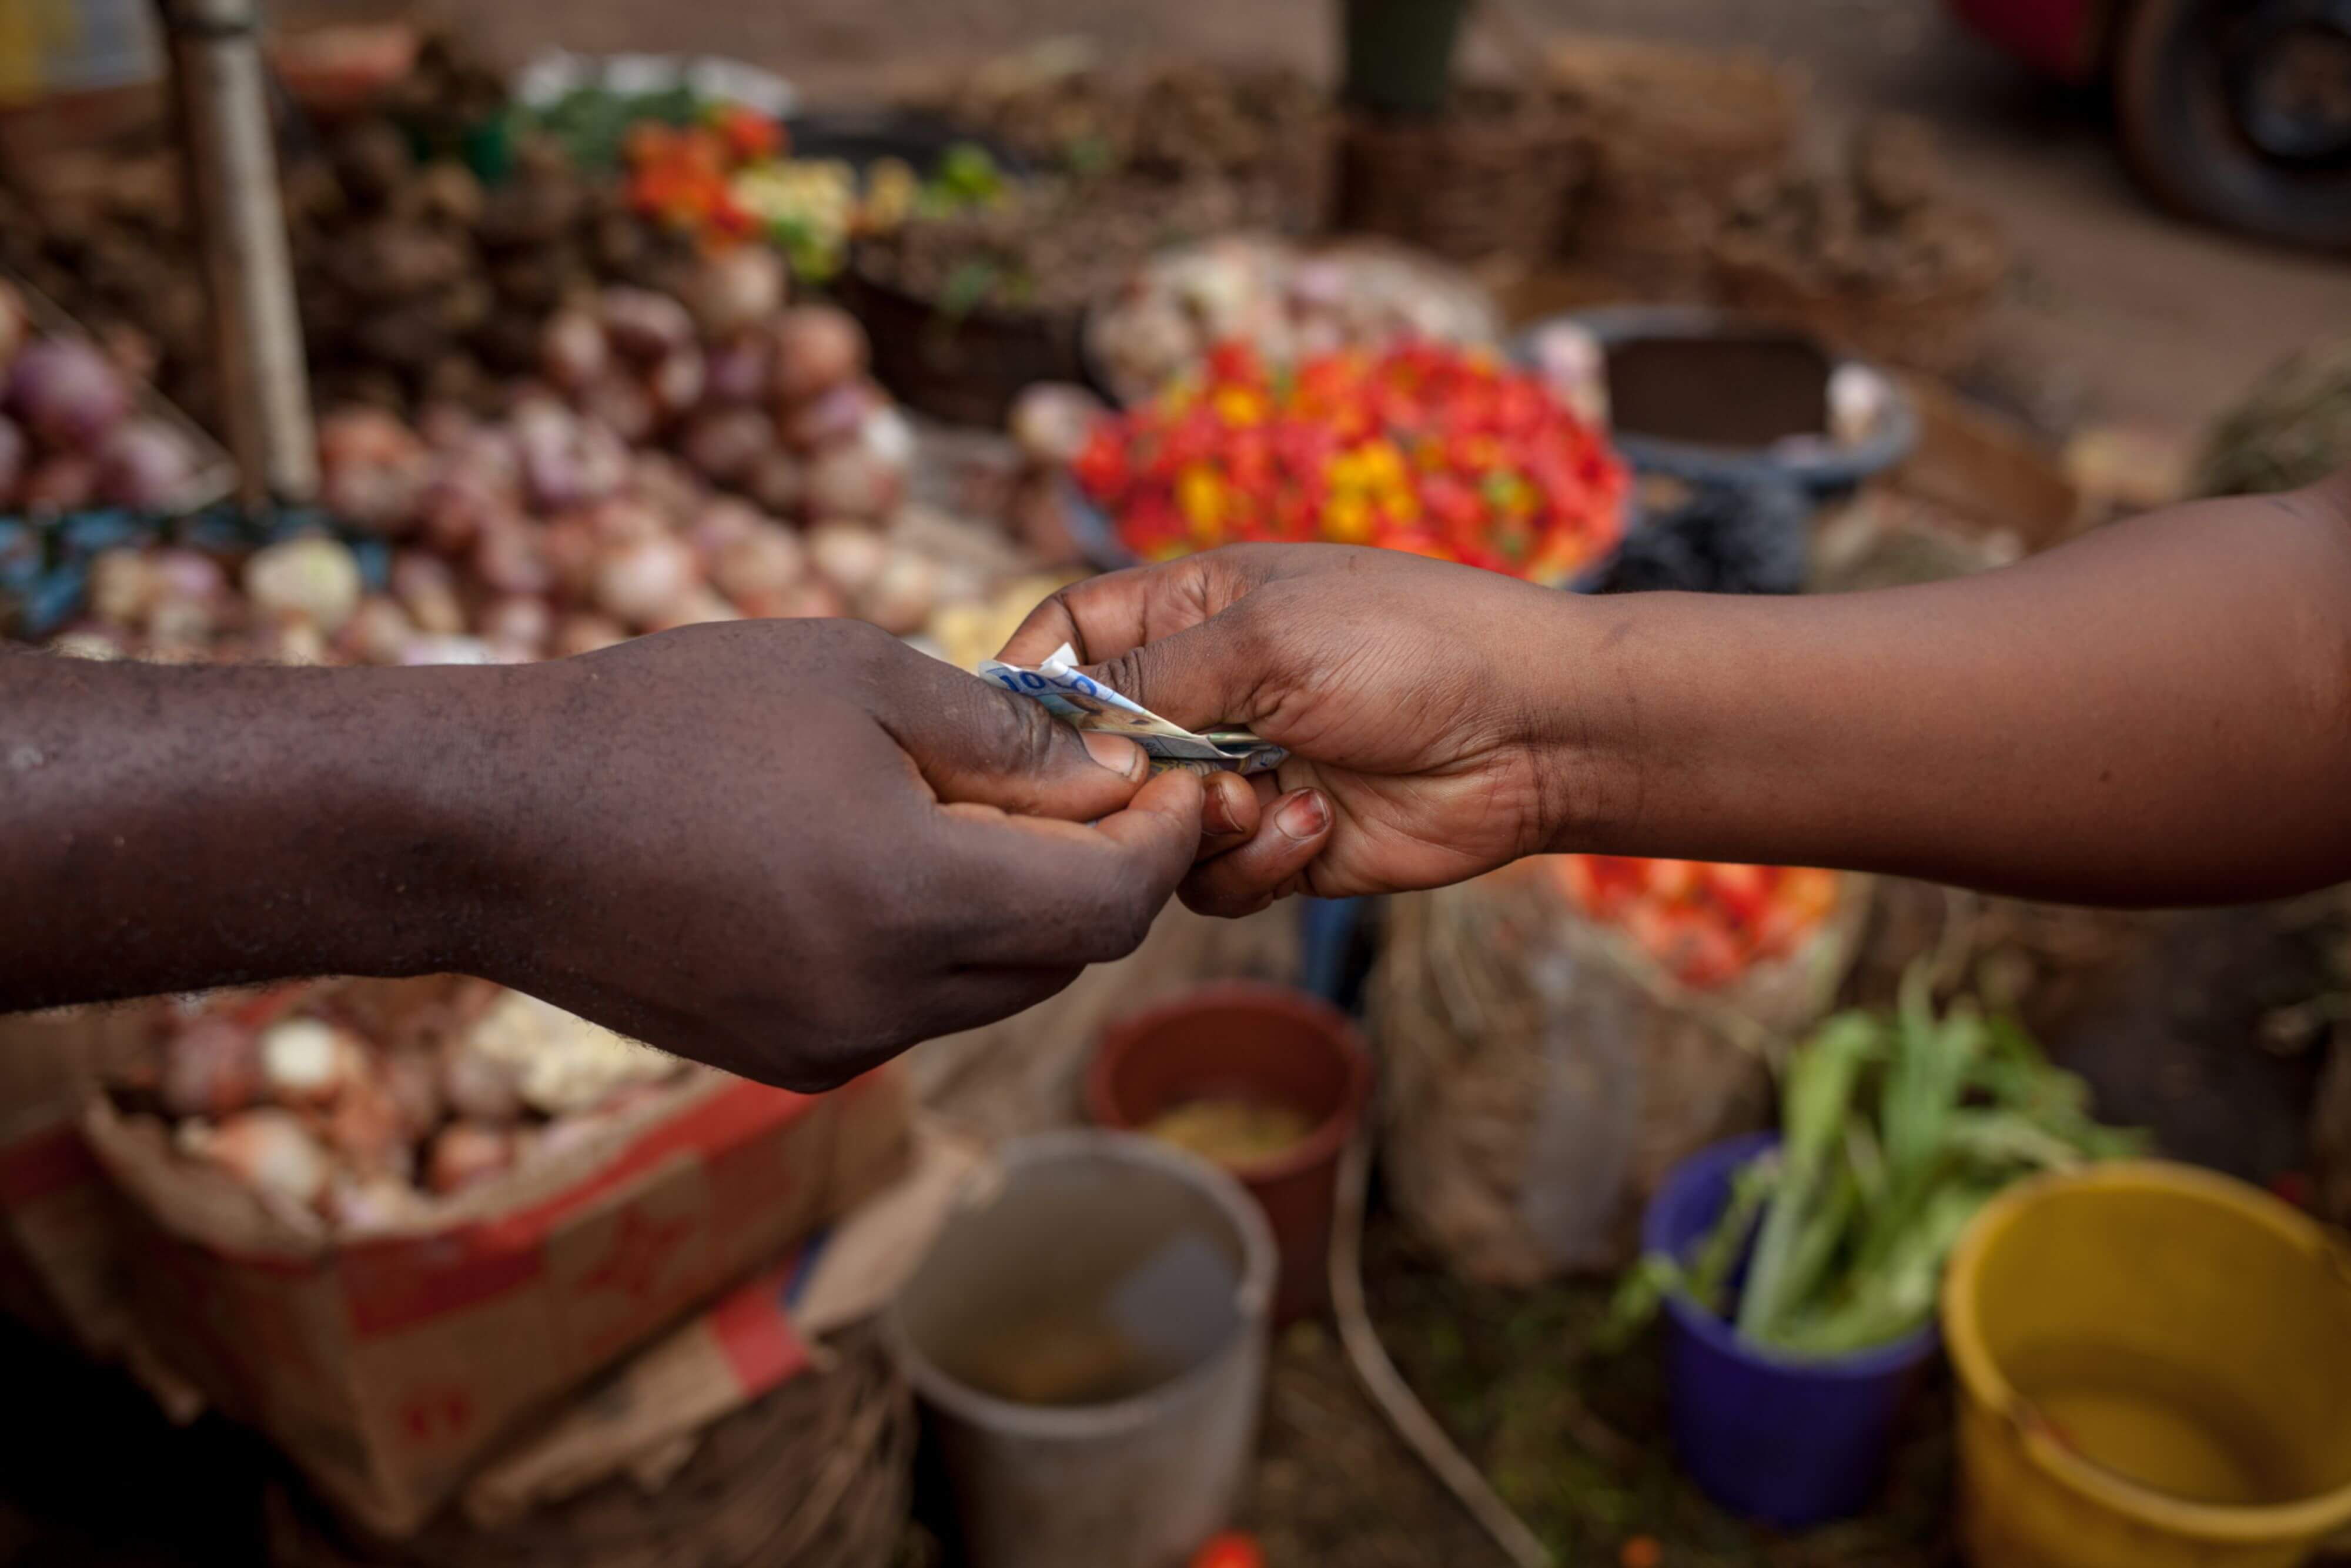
(362, 1101)
(70, 435)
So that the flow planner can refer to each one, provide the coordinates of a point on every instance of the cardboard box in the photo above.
(387, 1368)
(57, 1216)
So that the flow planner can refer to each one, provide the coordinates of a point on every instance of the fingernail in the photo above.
(1218, 816)
(1116, 752)
(1304, 815)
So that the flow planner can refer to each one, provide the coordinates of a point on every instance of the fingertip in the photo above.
(1303, 816)
(1116, 752)
(1230, 809)
(1179, 792)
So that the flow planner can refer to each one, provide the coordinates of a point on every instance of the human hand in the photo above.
(794, 848)
(1423, 749)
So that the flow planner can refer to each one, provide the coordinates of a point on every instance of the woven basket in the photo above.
(816, 1474)
(1498, 175)
(1926, 322)
(1676, 132)
(1301, 180)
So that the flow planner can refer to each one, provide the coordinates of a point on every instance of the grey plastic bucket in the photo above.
(1116, 1231)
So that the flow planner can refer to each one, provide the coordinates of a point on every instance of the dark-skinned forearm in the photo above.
(2159, 713)
(169, 829)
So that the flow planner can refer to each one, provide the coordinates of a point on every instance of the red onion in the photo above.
(456, 508)
(779, 482)
(902, 594)
(313, 579)
(810, 599)
(412, 1079)
(742, 369)
(696, 607)
(725, 443)
(373, 469)
(718, 524)
(568, 460)
(760, 565)
(886, 435)
(519, 624)
(65, 483)
(121, 587)
(210, 1069)
(603, 460)
(1051, 421)
(144, 464)
(427, 590)
(832, 418)
(269, 1151)
(678, 380)
(573, 350)
(644, 325)
(187, 574)
(569, 546)
(365, 1128)
(848, 555)
(735, 289)
(445, 426)
(182, 625)
(663, 483)
(585, 633)
(623, 405)
(468, 1153)
(290, 640)
(66, 392)
(377, 632)
(637, 582)
(817, 347)
(624, 521)
(507, 559)
(850, 482)
(307, 1061)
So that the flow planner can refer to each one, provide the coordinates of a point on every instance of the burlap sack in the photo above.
(1542, 1073)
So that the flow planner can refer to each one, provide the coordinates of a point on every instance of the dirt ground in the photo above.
(2120, 312)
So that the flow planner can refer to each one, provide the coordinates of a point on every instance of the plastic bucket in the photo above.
(1754, 357)
(1266, 1044)
(1791, 1442)
(2155, 1370)
(1087, 1338)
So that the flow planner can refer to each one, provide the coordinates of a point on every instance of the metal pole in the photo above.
(225, 120)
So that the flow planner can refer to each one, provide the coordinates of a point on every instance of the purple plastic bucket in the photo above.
(1794, 1443)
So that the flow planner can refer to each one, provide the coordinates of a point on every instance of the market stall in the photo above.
(534, 364)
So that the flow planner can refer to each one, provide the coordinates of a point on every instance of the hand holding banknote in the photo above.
(1395, 686)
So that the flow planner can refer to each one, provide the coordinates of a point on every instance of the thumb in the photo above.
(1214, 673)
(974, 743)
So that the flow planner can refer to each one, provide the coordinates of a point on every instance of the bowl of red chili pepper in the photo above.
(1441, 449)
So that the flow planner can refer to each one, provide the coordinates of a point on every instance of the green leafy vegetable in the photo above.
(1894, 1133)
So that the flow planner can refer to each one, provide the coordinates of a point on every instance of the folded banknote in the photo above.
(1086, 703)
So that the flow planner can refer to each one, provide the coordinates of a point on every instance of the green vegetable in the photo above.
(1894, 1133)
(967, 174)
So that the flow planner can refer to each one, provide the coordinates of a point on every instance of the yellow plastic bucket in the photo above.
(2155, 1370)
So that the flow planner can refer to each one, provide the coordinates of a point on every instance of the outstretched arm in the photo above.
(2159, 713)
(782, 847)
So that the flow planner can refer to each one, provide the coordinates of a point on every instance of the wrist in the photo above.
(445, 800)
(1562, 664)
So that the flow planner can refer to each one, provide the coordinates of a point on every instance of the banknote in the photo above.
(1086, 703)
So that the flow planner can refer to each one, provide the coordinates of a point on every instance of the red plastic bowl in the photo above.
(1266, 1043)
